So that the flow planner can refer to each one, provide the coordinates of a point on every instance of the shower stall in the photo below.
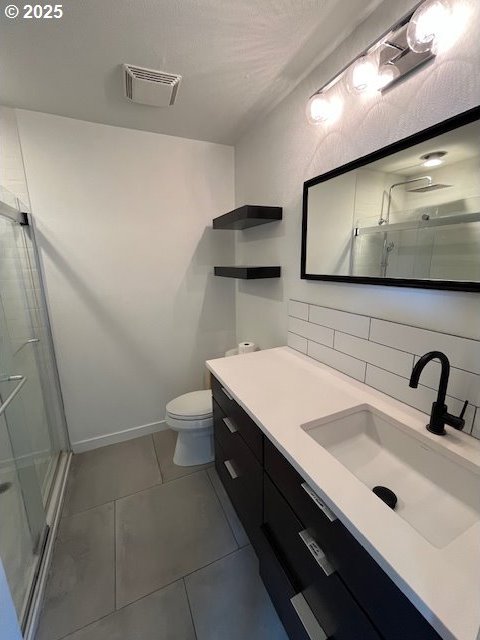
(34, 448)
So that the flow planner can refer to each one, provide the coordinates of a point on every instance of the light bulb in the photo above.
(428, 24)
(387, 73)
(321, 108)
(318, 109)
(362, 75)
(433, 159)
(434, 162)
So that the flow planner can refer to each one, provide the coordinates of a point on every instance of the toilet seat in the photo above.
(179, 424)
(193, 406)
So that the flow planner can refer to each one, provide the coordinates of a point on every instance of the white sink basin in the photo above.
(437, 496)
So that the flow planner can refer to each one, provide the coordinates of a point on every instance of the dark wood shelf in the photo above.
(248, 273)
(249, 215)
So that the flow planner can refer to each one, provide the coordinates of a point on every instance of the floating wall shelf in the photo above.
(249, 215)
(248, 273)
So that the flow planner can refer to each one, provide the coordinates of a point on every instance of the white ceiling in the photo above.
(237, 57)
(460, 144)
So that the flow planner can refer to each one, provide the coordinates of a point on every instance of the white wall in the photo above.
(331, 208)
(123, 223)
(12, 174)
(279, 153)
(460, 197)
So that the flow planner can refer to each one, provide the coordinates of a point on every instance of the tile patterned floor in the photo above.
(147, 550)
(105, 474)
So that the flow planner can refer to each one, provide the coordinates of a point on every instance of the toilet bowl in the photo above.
(191, 415)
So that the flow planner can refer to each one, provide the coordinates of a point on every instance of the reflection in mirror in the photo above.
(413, 214)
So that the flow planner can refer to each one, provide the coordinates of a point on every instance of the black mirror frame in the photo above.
(450, 124)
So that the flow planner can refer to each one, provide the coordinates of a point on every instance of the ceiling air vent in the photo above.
(147, 86)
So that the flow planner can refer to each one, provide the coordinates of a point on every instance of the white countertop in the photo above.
(281, 390)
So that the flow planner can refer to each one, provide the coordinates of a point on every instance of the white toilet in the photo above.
(191, 415)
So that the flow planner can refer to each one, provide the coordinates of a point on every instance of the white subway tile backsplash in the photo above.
(397, 387)
(298, 309)
(341, 361)
(463, 353)
(461, 384)
(377, 354)
(420, 398)
(297, 342)
(382, 353)
(311, 331)
(340, 320)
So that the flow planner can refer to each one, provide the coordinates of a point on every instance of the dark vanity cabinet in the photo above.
(238, 460)
(321, 580)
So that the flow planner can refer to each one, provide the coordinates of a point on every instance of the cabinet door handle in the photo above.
(317, 553)
(226, 393)
(320, 504)
(307, 618)
(230, 425)
(231, 469)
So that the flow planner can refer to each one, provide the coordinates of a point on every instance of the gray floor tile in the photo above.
(163, 615)
(105, 474)
(81, 586)
(167, 531)
(237, 528)
(165, 442)
(228, 600)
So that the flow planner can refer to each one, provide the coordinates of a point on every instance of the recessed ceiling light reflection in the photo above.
(433, 159)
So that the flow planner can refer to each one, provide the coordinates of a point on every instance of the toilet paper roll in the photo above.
(246, 347)
(231, 352)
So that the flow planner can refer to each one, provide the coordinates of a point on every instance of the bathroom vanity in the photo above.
(337, 562)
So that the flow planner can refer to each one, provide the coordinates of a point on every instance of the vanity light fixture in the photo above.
(427, 25)
(323, 107)
(363, 75)
(387, 73)
(318, 108)
(409, 44)
(433, 159)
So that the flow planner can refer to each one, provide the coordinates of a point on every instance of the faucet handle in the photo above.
(464, 408)
(457, 422)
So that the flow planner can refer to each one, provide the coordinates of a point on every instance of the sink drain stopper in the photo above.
(386, 495)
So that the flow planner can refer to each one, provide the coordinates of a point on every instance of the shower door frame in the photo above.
(58, 484)
(56, 492)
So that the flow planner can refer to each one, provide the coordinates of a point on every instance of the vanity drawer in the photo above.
(295, 490)
(241, 475)
(225, 430)
(222, 396)
(310, 572)
(394, 615)
(238, 419)
(281, 590)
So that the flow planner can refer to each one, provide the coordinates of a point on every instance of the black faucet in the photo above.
(439, 416)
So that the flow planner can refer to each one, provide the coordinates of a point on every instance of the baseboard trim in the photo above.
(118, 436)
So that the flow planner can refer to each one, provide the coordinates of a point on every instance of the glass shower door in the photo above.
(28, 451)
(22, 526)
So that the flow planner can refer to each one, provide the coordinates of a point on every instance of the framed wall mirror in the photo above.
(406, 215)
